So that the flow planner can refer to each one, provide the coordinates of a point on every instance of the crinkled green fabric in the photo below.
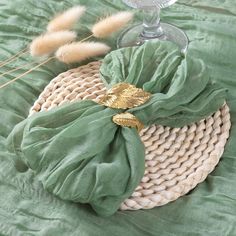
(181, 89)
(82, 156)
(27, 209)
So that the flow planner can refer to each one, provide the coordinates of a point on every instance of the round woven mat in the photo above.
(177, 159)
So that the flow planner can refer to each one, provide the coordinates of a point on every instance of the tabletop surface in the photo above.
(27, 209)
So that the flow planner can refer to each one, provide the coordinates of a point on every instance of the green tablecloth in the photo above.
(27, 209)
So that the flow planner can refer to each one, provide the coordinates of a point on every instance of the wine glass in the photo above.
(152, 28)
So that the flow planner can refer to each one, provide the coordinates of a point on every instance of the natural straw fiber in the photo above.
(177, 159)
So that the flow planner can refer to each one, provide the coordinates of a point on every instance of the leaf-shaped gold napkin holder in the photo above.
(128, 120)
(125, 96)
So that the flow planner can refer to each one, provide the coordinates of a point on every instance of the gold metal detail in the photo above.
(124, 96)
(128, 120)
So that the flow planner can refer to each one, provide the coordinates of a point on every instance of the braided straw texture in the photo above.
(177, 159)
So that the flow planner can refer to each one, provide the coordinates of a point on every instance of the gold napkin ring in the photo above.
(125, 96)
(128, 120)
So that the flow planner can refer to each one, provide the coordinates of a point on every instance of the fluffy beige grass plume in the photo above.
(111, 24)
(49, 43)
(76, 52)
(66, 20)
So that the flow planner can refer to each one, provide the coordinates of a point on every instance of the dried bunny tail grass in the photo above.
(26, 73)
(111, 24)
(76, 52)
(49, 43)
(14, 57)
(66, 20)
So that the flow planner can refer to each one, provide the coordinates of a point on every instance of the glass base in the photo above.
(133, 36)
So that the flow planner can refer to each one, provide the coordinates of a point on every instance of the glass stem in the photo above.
(151, 23)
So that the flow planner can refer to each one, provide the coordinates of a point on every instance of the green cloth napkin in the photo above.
(80, 155)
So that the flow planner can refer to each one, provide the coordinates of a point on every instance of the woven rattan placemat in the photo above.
(177, 159)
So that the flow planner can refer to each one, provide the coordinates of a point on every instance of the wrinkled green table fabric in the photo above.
(81, 155)
(27, 209)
